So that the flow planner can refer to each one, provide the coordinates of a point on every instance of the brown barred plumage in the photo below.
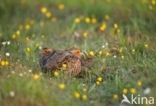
(52, 59)
(74, 65)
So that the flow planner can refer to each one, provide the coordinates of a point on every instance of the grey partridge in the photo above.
(53, 59)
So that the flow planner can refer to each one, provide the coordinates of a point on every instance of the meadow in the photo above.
(120, 36)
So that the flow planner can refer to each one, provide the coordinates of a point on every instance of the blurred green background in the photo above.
(119, 34)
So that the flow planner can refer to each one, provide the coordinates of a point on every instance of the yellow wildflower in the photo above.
(93, 20)
(121, 50)
(115, 96)
(44, 10)
(146, 45)
(61, 6)
(61, 86)
(99, 79)
(36, 76)
(27, 26)
(14, 36)
(103, 27)
(97, 82)
(18, 32)
(2, 62)
(91, 53)
(139, 83)
(106, 17)
(125, 91)
(107, 54)
(56, 73)
(85, 34)
(64, 66)
(133, 50)
(48, 14)
(84, 89)
(77, 95)
(84, 97)
(77, 20)
(153, 2)
(133, 90)
(87, 20)
(28, 49)
(115, 26)
(122, 57)
(6, 62)
(100, 53)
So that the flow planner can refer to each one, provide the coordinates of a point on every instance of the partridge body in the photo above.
(52, 60)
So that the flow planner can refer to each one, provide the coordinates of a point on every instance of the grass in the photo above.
(118, 34)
